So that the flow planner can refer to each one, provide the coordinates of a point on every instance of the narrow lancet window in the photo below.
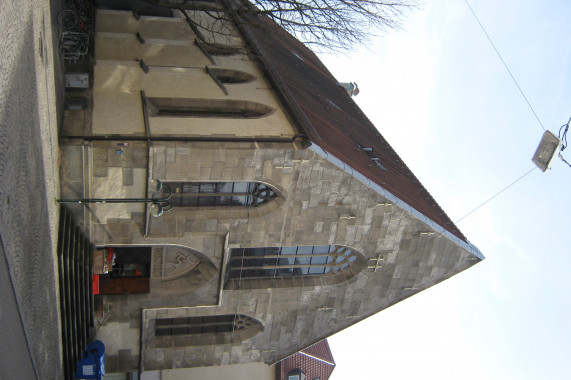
(207, 108)
(219, 194)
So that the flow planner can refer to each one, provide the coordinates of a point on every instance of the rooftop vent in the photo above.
(377, 161)
(351, 88)
(297, 55)
(333, 104)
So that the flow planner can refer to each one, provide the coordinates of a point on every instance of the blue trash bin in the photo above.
(92, 365)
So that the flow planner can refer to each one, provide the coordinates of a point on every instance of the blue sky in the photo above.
(440, 95)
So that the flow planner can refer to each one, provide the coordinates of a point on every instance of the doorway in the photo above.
(129, 270)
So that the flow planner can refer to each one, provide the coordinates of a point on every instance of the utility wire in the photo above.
(563, 137)
(564, 160)
(434, 237)
(532, 110)
(495, 195)
(562, 134)
(505, 65)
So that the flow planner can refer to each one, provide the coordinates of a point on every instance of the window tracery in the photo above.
(288, 261)
(217, 194)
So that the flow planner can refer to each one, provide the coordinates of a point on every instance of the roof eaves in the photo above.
(397, 201)
(316, 358)
(302, 349)
(321, 346)
(301, 120)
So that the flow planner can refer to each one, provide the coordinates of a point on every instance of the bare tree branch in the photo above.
(328, 25)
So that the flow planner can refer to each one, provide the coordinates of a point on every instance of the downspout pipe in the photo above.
(306, 142)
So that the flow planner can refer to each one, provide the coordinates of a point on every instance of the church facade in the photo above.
(272, 215)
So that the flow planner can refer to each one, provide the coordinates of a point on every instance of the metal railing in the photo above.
(75, 266)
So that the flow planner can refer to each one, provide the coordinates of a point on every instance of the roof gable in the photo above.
(321, 351)
(315, 361)
(324, 111)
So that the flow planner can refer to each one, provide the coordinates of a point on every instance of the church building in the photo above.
(265, 211)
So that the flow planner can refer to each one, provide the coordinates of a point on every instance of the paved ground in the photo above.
(29, 315)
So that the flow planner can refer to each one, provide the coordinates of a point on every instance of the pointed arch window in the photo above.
(220, 194)
(267, 262)
(207, 108)
(229, 76)
(211, 329)
(203, 325)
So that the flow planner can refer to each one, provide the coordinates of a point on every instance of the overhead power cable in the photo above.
(563, 134)
(505, 65)
(434, 237)
(495, 195)
(563, 137)
(564, 160)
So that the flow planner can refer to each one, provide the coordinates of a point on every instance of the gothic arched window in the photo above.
(215, 194)
(267, 262)
(203, 325)
(210, 329)
(207, 108)
(229, 76)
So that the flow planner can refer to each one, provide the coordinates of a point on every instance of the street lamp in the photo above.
(548, 148)
(163, 204)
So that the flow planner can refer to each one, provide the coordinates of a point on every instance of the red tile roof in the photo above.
(321, 351)
(324, 111)
(315, 361)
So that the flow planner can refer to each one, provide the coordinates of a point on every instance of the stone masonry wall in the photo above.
(320, 204)
(317, 204)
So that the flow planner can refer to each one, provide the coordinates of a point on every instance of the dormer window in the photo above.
(296, 374)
